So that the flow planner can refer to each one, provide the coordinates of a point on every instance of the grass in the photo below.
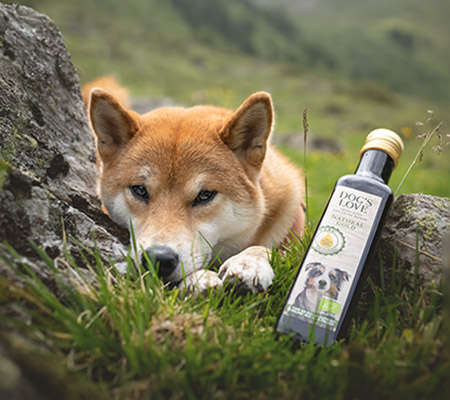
(425, 155)
(129, 337)
(136, 339)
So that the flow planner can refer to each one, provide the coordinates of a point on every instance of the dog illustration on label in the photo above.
(321, 288)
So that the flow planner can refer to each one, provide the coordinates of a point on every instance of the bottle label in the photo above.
(330, 266)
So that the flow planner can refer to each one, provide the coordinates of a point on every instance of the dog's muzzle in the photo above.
(163, 259)
(322, 284)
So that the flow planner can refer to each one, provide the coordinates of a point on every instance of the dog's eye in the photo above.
(333, 278)
(140, 192)
(204, 196)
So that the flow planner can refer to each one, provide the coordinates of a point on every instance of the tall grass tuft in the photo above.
(426, 137)
(305, 167)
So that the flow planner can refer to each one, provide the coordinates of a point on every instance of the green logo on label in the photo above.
(329, 306)
(328, 241)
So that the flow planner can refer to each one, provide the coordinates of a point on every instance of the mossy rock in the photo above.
(414, 233)
(47, 158)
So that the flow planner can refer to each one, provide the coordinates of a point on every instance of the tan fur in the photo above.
(175, 153)
(110, 84)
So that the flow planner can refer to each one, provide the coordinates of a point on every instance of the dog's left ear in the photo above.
(248, 129)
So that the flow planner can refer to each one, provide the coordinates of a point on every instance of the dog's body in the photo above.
(197, 183)
(321, 280)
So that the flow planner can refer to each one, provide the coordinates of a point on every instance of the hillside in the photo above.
(400, 44)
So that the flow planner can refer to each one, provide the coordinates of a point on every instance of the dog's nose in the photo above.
(163, 258)
(322, 284)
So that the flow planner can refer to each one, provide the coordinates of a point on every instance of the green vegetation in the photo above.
(4, 170)
(139, 340)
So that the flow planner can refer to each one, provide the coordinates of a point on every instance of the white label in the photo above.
(330, 266)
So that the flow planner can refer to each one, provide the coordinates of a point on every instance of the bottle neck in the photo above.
(375, 164)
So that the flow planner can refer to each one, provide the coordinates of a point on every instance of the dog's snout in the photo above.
(322, 284)
(163, 258)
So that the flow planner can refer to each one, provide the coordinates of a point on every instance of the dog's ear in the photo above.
(311, 265)
(248, 129)
(343, 274)
(112, 123)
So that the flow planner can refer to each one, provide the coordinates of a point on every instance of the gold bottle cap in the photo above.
(385, 140)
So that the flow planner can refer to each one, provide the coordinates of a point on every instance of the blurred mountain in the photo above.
(401, 44)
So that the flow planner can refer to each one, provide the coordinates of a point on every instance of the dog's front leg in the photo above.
(249, 269)
(200, 282)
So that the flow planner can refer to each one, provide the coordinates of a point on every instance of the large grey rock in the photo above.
(47, 162)
(47, 188)
(26, 373)
(416, 227)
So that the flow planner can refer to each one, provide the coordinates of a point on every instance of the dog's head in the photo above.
(326, 279)
(186, 179)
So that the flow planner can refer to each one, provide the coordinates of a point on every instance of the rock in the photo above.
(417, 225)
(12, 383)
(47, 164)
(47, 191)
(26, 373)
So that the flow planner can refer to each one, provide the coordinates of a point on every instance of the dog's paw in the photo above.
(250, 270)
(200, 282)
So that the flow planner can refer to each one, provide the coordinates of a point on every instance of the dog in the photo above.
(109, 83)
(321, 280)
(198, 184)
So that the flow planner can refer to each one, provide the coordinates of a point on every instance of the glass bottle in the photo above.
(331, 277)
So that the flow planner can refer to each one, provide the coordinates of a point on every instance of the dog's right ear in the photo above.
(112, 123)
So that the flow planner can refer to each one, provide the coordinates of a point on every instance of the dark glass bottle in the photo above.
(331, 277)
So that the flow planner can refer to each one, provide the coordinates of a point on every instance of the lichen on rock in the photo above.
(414, 232)
(47, 159)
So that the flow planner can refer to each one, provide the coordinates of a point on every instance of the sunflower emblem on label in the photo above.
(328, 241)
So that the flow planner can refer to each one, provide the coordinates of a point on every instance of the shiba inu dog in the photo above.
(197, 184)
(321, 280)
